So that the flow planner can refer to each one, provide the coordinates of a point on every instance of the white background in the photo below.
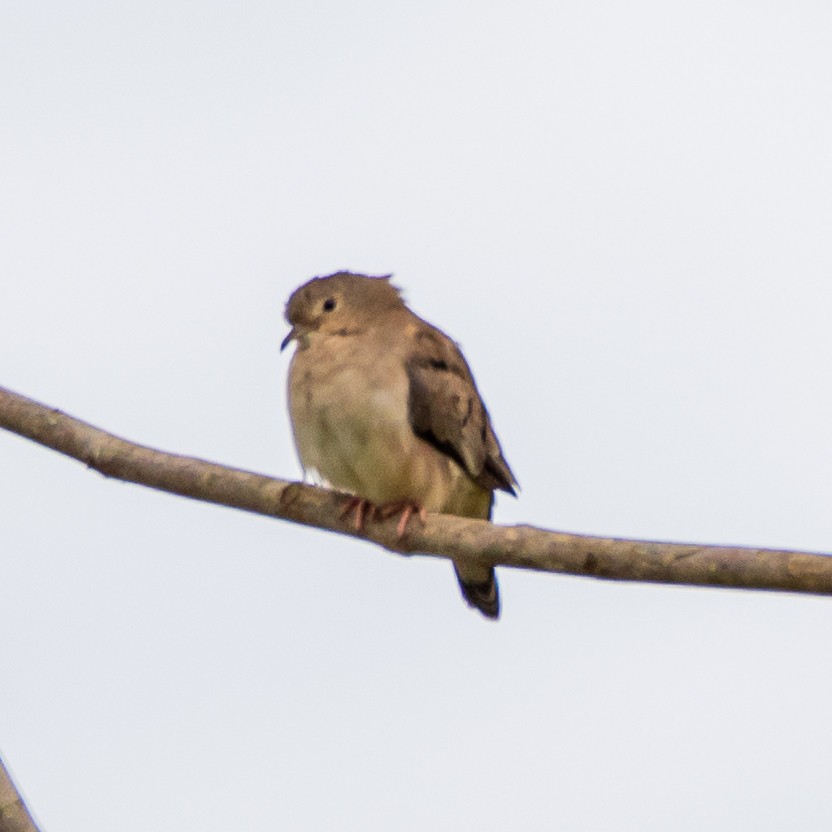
(621, 211)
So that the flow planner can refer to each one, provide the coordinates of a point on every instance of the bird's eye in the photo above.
(329, 304)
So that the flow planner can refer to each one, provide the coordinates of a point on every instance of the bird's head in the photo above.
(337, 304)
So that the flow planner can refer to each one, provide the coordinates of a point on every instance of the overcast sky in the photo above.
(621, 211)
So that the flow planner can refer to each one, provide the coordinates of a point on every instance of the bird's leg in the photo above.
(408, 509)
(362, 508)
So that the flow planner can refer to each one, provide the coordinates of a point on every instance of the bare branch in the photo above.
(442, 535)
(14, 817)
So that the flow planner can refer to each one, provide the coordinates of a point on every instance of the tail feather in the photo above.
(480, 590)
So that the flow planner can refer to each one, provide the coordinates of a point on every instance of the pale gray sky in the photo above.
(621, 211)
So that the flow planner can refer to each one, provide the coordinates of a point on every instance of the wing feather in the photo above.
(446, 410)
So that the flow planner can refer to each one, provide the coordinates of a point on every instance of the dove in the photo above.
(384, 407)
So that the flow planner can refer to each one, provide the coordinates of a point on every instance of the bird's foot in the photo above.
(367, 511)
(408, 510)
(364, 510)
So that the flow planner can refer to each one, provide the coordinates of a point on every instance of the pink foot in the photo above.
(367, 511)
(363, 509)
(408, 510)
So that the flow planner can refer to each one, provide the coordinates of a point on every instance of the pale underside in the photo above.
(349, 412)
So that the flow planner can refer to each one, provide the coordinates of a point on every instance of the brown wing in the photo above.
(446, 410)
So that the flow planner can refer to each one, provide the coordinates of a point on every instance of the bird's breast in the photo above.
(349, 416)
(349, 411)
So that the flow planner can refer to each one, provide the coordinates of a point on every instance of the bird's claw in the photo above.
(367, 511)
(408, 510)
(364, 510)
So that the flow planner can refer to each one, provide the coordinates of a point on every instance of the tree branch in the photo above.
(463, 539)
(14, 817)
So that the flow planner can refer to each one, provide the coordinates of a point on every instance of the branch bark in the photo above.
(477, 541)
(14, 816)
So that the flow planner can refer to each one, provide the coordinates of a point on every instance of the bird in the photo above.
(384, 407)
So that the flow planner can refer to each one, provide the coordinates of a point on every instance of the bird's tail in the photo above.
(479, 589)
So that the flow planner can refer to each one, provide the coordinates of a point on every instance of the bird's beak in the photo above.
(293, 333)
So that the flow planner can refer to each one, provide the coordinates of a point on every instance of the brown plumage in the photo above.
(384, 406)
